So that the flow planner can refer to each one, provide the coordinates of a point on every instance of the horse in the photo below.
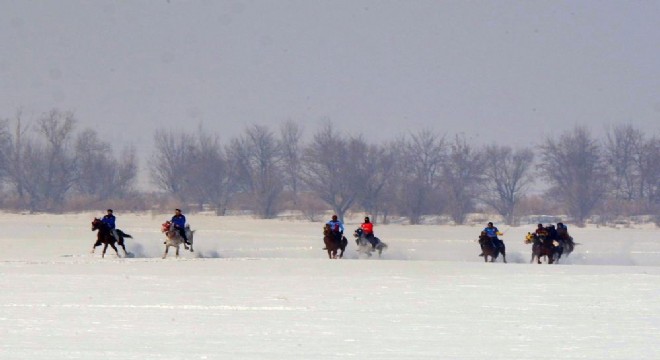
(566, 243)
(365, 247)
(174, 239)
(104, 236)
(489, 248)
(543, 246)
(331, 244)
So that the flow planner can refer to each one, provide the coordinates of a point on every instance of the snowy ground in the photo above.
(264, 289)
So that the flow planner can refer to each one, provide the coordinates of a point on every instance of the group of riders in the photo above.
(557, 235)
(337, 229)
(178, 221)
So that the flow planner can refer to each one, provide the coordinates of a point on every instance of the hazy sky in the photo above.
(505, 72)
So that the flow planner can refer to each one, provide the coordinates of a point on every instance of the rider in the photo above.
(337, 228)
(552, 232)
(109, 219)
(562, 231)
(492, 232)
(368, 231)
(541, 231)
(179, 221)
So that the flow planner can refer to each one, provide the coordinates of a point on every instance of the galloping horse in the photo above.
(542, 246)
(364, 246)
(566, 243)
(104, 236)
(488, 248)
(331, 244)
(173, 237)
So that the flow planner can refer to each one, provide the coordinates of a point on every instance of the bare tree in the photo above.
(211, 175)
(57, 127)
(259, 158)
(649, 172)
(170, 163)
(100, 174)
(462, 175)
(328, 171)
(95, 166)
(291, 134)
(52, 166)
(573, 166)
(507, 176)
(5, 149)
(15, 166)
(376, 165)
(422, 156)
(622, 152)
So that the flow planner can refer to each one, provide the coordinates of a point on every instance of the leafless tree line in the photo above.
(264, 171)
(46, 163)
(420, 173)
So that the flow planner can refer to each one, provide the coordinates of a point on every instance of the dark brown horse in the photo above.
(566, 242)
(489, 248)
(542, 246)
(331, 243)
(104, 236)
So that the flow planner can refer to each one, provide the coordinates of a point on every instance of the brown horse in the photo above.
(104, 236)
(542, 246)
(331, 244)
(489, 248)
(565, 242)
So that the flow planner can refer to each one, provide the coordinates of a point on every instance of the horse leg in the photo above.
(124, 248)
(167, 248)
(329, 253)
(115, 249)
(177, 251)
(105, 247)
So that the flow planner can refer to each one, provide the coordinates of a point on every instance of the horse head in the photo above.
(529, 238)
(483, 238)
(358, 233)
(96, 224)
(166, 226)
(327, 230)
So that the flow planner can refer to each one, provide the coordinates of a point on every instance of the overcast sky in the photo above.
(504, 72)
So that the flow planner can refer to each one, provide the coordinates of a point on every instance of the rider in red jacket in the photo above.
(368, 231)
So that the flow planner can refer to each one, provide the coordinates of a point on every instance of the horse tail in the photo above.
(123, 234)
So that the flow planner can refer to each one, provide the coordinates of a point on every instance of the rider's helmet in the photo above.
(366, 219)
(490, 224)
(110, 210)
(334, 217)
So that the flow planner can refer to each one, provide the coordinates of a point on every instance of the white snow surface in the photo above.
(265, 289)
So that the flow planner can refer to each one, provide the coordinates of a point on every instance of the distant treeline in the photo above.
(50, 165)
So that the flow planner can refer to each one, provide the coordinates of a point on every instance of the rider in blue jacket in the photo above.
(109, 219)
(337, 228)
(492, 232)
(179, 221)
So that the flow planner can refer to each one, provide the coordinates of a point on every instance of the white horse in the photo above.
(365, 247)
(174, 239)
